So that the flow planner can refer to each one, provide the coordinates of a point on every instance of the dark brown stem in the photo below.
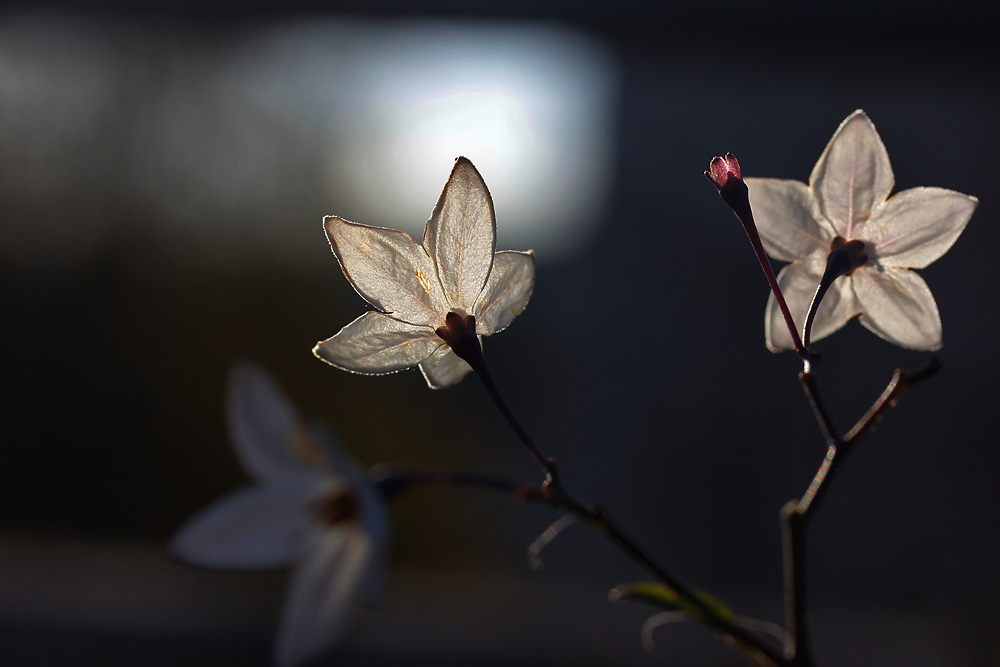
(808, 380)
(839, 448)
(735, 195)
(466, 345)
(795, 514)
(845, 256)
(553, 495)
(793, 526)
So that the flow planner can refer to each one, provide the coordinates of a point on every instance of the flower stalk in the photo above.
(845, 256)
(725, 175)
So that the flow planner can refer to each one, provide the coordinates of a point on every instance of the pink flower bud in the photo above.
(722, 169)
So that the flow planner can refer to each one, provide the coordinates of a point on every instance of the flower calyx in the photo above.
(845, 256)
(459, 332)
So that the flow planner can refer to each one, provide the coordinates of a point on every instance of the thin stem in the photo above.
(553, 495)
(825, 472)
(845, 256)
(547, 464)
(393, 480)
(821, 291)
(839, 448)
(600, 520)
(808, 380)
(727, 177)
(460, 333)
(795, 515)
(797, 644)
(772, 281)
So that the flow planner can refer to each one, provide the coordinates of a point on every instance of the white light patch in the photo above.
(532, 108)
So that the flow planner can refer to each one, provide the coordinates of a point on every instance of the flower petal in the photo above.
(267, 433)
(443, 368)
(461, 235)
(853, 175)
(917, 226)
(373, 514)
(506, 292)
(798, 284)
(255, 528)
(787, 218)
(376, 343)
(323, 591)
(389, 270)
(899, 307)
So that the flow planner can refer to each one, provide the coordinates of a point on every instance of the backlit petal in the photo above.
(917, 226)
(899, 307)
(853, 175)
(461, 235)
(256, 528)
(507, 291)
(376, 343)
(389, 270)
(265, 429)
(372, 515)
(324, 588)
(788, 218)
(798, 283)
(443, 368)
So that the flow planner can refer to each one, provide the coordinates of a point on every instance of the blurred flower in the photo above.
(311, 507)
(847, 200)
(415, 288)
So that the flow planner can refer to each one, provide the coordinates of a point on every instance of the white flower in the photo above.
(848, 198)
(310, 507)
(415, 287)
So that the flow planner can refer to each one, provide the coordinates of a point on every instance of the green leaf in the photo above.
(703, 607)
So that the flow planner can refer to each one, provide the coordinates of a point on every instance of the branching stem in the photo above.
(554, 493)
(795, 514)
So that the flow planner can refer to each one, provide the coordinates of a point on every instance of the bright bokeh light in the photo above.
(249, 134)
(532, 108)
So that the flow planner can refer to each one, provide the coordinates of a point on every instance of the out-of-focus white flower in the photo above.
(847, 200)
(415, 287)
(310, 507)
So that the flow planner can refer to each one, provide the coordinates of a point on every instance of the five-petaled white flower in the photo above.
(311, 507)
(415, 288)
(847, 199)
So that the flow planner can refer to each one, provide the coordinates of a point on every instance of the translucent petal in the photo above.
(798, 284)
(917, 226)
(899, 307)
(461, 235)
(376, 343)
(373, 515)
(389, 270)
(323, 591)
(853, 175)
(443, 368)
(256, 528)
(267, 433)
(787, 218)
(506, 292)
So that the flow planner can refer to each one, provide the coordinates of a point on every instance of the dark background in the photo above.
(131, 284)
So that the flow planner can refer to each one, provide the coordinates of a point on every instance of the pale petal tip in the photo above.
(331, 220)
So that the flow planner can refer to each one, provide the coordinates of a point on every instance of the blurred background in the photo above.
(163, 176)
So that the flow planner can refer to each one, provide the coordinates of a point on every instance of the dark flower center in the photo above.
(846, 256)
(337, 508)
